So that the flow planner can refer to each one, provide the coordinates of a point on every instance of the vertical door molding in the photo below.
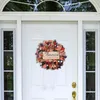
(80, 61)
(98, 62)
(18, 94)
(0, 64)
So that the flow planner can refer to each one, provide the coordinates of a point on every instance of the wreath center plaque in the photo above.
(50, 55)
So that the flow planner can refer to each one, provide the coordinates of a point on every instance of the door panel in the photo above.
(42, 84)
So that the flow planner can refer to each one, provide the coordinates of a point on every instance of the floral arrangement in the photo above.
(50, 46)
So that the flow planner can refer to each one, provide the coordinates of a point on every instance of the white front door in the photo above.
(40, 83)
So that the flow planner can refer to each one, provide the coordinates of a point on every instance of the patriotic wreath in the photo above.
(50, 46)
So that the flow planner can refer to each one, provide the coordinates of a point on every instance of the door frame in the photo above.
(78, 17)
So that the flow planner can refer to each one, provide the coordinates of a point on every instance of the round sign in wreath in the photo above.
(50, 54)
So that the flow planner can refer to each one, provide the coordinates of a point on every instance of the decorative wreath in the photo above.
(47, 47)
